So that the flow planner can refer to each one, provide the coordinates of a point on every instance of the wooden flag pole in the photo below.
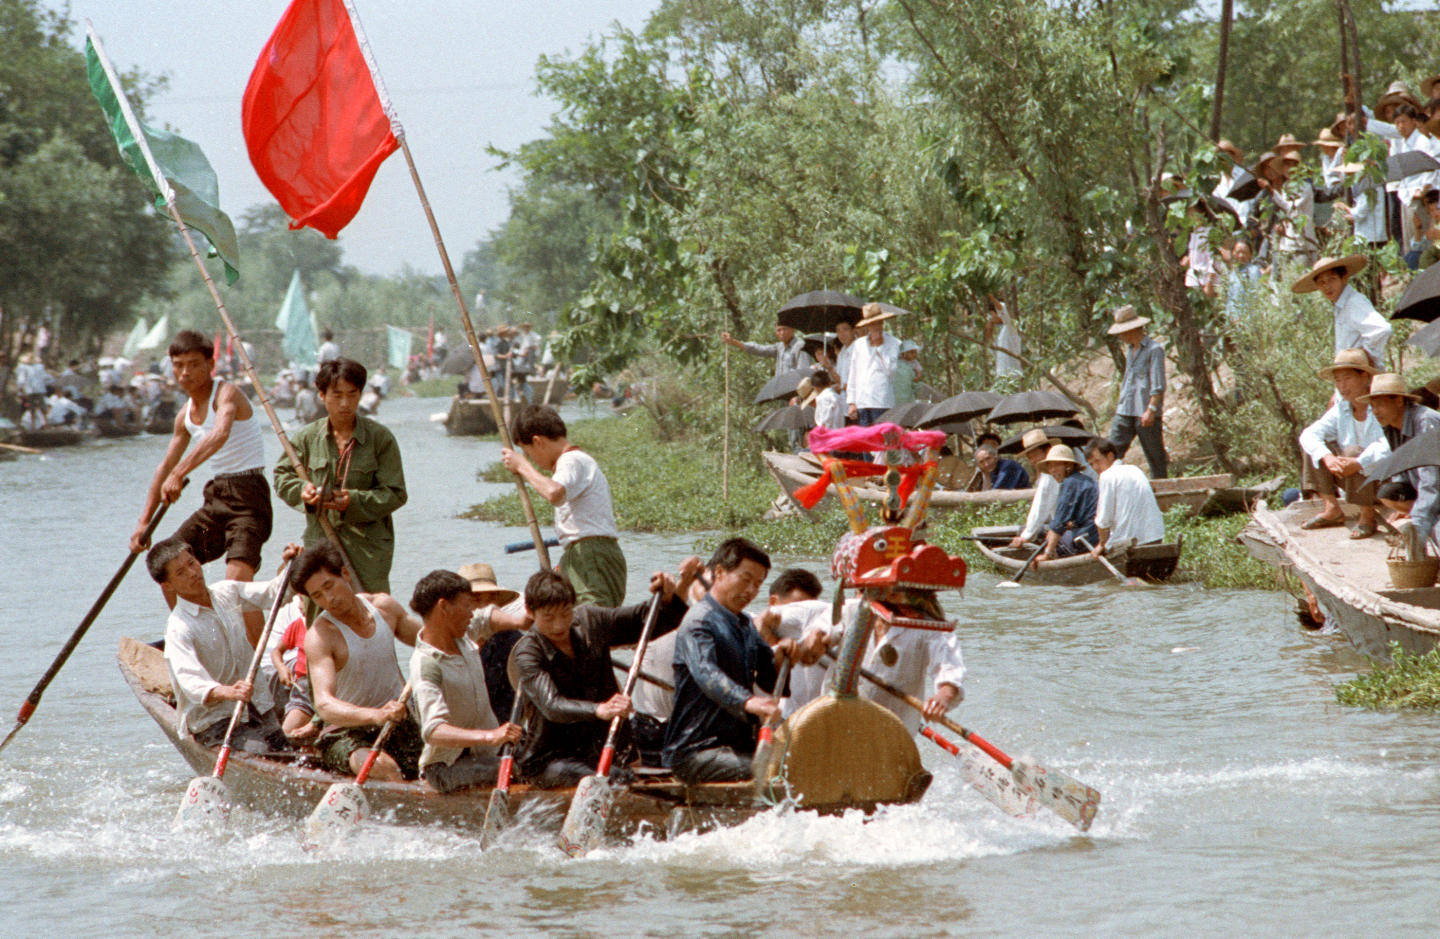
(725, 446)
(540, 550)
(169, 196)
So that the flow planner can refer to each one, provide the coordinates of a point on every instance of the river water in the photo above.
(1237, 795)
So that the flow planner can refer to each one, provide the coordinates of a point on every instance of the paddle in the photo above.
(344, 804)
(616, 662)
(497, 813)
(207, 798)
(760, 762)
(32, 702)
(1124, 581)
(986, 778)
(1069, 798)
(584, 826)
(1015, 581)
(20, 448)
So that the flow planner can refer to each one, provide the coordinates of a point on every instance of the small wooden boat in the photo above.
(657, 803)
(542, 392)
(162, 416)
(1154, 562)
(51, 437)
(126, 424)
(1349, 580)
(469, 417)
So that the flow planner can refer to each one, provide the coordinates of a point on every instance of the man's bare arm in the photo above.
(406, 626)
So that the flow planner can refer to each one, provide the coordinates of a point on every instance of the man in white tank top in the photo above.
(355, 679)
(235, 519)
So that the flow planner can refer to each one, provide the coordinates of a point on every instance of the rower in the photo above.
(456, 722)
(1125, 509)
(235, 518)
(1074, 506)
(208, 647)
(719, 660)
(496, 626)
(584, 515)
(355, 678)
(797, 612)
(563, 668)
(1415, 494)
(1035, 443)
(1343, 445)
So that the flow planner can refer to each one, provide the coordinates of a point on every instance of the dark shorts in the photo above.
(234, 520)
(1397, 490)
(717, 764)
(338, 744)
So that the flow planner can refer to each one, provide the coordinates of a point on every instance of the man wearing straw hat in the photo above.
(1357, 324)
(1075, 505)
(1343, 445)
(1034, 446)
(1142, 392)
(496, 626)
(1417, 492)
(869, 388)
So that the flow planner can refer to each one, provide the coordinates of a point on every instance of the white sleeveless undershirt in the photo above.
(243, 449)
(371, 676)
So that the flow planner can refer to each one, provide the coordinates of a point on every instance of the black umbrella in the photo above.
(1061, 432)
(1427, 339)
(783, 386)
(1423, 450)
(928, 392)
(1409, 163)
(964, 428)
(961, 407)
(1032, 406)
(458, 362)
(820, 311)
(906, 415)
(817, 341)
(1244, 186)
(1421, 300)
(790, 417)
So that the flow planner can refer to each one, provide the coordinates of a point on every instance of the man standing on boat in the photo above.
(356, 474)
(1075, 505)
(235, 518)
(1141, 410)
(1416, 493)
(1345, 443)
(456, 722)
(1125, 509)
(584, 514)
(1047, 490)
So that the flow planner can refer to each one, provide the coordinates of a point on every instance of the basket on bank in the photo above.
(1406, 574)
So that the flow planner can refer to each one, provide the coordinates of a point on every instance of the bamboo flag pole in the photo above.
(540, 550)
(725, 447)
(169, 195)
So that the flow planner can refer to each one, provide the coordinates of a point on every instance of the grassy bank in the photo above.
(1408, 681)
(674, 486)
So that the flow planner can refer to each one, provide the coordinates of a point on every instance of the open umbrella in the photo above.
(783, 386)
(790, 417)
(961, 407)
(906, 415)
(1423, 450)
(1243, 186)
(820, 311)
(1427, 339)
(817, 341)
(1032, 406)
(458, 362)
(1421, 300)
(928, 392)
(1410, 163)
(1064, 433)
(963, 428)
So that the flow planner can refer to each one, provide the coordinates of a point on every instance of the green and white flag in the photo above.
(297, 325)
(400, 343)
(137, 336)
(179, 161)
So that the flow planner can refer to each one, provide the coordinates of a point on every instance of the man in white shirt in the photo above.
(329, 348)
(209, 644)
(1126, 511)
(1343, 445)
(869, 391)
(584, 513)
(1357, 324)
(1047, 491)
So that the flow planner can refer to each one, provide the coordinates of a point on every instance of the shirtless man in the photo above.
(355, 679)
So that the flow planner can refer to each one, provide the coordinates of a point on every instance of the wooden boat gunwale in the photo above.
(1155, 563)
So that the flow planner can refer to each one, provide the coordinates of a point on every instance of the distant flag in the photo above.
(155, 338)
(315, 122)
(400, 342)
(296, 325)
(181, 162)
(137, 334)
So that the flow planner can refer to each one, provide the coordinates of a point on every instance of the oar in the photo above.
(760, 762)
(497, 813)
(584, 826)
(20, 448)
(1069, 798)
(1124, 581)
(207, 798)
(1015, 581)
(515, 547)
(32, 702)
(987, 778)
(344, 804)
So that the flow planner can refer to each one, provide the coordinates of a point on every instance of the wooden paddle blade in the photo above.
(206, 802)
(1067, 797)
(760, 764)
(497, 817)
(989, 779)
(343, 807)
(584, 828)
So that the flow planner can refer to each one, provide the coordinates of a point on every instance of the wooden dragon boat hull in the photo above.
(470, 417)
(1348, 579)
(1155, 563)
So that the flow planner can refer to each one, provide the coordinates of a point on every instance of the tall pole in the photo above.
(1227, 17)
(725, 445)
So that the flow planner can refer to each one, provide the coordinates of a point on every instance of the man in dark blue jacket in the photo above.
(1074, 516)
(1000, 473)
(719, 659)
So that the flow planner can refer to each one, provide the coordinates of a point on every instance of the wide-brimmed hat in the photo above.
(1287, 140)
(1266, 158)
(1059, 453)
(806, 392)
(483, 585)
(1388, 383)
(28, 358)
(1033, 438)
(873, 313)
(1357, 359)
(1397, 91)
(1350, 264)
(1427, 87)
(1126, 319)
(1328, 138)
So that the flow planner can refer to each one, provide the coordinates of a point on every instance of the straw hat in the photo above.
(483, 585)
(1328, 138)
(1034, 438)
(1358, 359)
(1388, 383)
(1266, 158)
(1286, 142)
(806, 392)
(1059, 453)
(1397, 93)
(28, 359)
(1225, 146)
(1427, 87)
(873, 314)
(1126, 319)
(1349, 264)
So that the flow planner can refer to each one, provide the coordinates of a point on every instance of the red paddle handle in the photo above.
(364, 773)
(767, 734)
(502, 779)
(979, 741)
(944, 743)
(607, 756)
(221, 761)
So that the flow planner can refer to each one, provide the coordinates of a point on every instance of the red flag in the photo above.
(314, 123)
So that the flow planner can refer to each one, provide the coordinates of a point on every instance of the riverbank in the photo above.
(675, 486)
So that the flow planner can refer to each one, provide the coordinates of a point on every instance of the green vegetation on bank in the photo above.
(1408, 681)
(674, 486)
